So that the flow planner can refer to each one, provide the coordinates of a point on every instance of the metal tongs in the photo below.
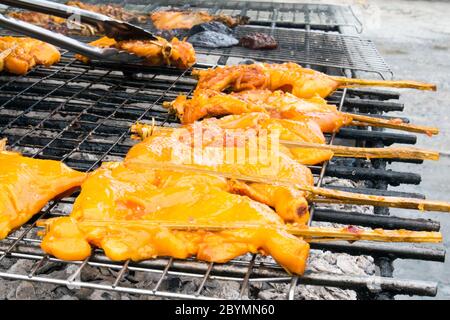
(116, 29)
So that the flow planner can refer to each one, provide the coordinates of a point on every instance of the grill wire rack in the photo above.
(81, 114)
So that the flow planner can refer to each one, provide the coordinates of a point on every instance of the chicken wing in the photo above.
(176, 53)
(27, 184)
(19, 55)
(288, 77)
(184, 19)
(119, 202)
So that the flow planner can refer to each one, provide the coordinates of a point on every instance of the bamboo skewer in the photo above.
(339, 151)
(362, 120)
(351, 82)
(355, 152)
(317, 194)
(308, 233)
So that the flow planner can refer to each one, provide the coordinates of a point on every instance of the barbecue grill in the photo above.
(81, 114)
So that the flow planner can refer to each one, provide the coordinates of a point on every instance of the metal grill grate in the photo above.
(81, 114)
(298, 45)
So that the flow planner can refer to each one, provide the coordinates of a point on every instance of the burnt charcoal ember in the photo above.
(258, 41)
(210, 26)
(212, 39)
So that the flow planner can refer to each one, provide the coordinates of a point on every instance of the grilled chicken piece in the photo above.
(183, 19)
(110, 10)
(278, 104)
(26, 185)
(19, 55)
(60, 25)
(176, 53)
(288, 77)
(119, 202)
(182, 146)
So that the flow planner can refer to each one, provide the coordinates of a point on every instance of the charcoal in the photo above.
(213, 26)
(212, 39)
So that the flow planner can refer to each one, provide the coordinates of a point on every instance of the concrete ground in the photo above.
(414, 39)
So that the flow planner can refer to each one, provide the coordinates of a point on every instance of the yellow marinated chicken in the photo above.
(176, 53)
(177, 146)
(289, 77)
(19, 55)
(26, 185)
(125, 210)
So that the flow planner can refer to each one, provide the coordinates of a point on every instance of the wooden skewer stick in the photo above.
(350, 82)
(354, 152)
(144, 131)
(317, 193)
(2, 144)
(311, 233)
(362, 120)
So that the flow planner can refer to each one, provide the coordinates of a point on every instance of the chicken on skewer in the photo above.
(184, 19)
(26, 185)
(123, 193)
(161, 156)
(209, 103)
(254, 157)
(136, 213)
(302, 138)
(176, 53)
(63, 26)
(19, 55)
(288, 77)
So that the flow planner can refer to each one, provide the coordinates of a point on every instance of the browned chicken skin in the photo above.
(19, 55)
(183, 19)
(176, 53)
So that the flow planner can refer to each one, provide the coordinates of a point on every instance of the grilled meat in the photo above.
(288, 77)
(19, 55)
(210, 103)
(185, 19)
(179, 146)
(176, 53)
(258, 41)
(119, 202)
(111, 10)
(61, 25)
(26, 185)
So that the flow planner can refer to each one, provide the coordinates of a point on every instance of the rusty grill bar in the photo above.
(81, 114)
